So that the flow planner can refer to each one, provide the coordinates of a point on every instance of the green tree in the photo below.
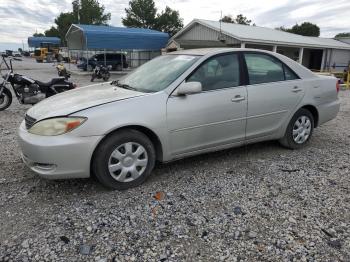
(305, 29)
(143, 13)
(52, 32)
(228, 19)
(240, 19)
(63, 22)
(342, 35)
(169, 21)
(38, 34)
(90, 12)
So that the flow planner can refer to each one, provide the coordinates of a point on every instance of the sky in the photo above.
(21, 18)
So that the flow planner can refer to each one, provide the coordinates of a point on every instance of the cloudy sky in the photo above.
(21, 18)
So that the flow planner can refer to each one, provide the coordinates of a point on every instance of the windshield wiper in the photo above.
(125, 86)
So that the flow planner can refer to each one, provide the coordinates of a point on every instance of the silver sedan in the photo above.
(177, 105)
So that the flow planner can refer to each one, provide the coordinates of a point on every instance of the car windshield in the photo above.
(158, 73)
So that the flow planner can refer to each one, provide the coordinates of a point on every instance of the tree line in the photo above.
(144, 14)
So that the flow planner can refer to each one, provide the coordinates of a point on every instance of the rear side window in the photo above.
(265, 69)
(218, 72)
(289, 74)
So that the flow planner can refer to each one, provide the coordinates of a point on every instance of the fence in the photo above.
(134, 58)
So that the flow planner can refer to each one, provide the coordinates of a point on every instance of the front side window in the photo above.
(218, 72)
(265, 69)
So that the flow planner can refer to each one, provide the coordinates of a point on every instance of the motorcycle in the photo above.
(62, 71)
(28, 90)
(101, 72)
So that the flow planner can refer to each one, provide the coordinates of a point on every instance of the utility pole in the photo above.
(78, 12)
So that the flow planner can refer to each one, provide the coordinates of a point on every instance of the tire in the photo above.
(92, 78)
(118, 151)
(59, 58)
(291, 140)
(107, 76)
(5, 99)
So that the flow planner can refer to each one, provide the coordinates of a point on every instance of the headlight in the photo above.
(56, 126)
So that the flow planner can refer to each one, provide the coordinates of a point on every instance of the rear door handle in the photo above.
(238, 98)
(296, 89)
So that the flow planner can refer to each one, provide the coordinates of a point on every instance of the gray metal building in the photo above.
(313, 52)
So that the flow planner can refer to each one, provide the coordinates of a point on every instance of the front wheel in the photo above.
(106, 76)
(299, 130)
(5, 99)
(124, 160)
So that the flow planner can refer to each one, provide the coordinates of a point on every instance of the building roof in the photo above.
(264, 35)
(34, 41)
(117, 38)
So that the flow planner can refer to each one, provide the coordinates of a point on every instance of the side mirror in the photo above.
(187, 88)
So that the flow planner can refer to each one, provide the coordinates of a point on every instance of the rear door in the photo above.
(214, 117)
(274, 90)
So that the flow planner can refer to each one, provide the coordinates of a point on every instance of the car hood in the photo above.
(78, 99)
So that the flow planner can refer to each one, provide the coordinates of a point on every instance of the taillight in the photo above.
(337, 86)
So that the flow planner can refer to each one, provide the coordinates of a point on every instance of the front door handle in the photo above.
(296, 89)
(238, 98)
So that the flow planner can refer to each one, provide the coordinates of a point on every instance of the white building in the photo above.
(313, 52)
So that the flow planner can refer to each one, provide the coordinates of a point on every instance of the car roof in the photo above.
(212, 51)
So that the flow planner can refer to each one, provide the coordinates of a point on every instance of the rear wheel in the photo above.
(299, 130)
(124, 160)
(106, 76)
(5, 99)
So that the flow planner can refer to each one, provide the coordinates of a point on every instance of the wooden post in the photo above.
(301, 53)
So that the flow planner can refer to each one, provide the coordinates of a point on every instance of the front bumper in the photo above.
(57, 157)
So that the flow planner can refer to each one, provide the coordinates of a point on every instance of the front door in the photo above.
(214, 117)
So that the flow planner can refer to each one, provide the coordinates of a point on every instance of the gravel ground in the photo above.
(256, 203)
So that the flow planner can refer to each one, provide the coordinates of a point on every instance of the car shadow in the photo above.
(165, 173)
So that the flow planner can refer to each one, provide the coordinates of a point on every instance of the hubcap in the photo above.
(128, 162)
(301, 129)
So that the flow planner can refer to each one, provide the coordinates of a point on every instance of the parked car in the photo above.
(16, 54)
(26, 53)
(117, 61)
(177, 105)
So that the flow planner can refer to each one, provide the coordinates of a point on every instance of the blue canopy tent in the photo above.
(37, 41)
(110, 38)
